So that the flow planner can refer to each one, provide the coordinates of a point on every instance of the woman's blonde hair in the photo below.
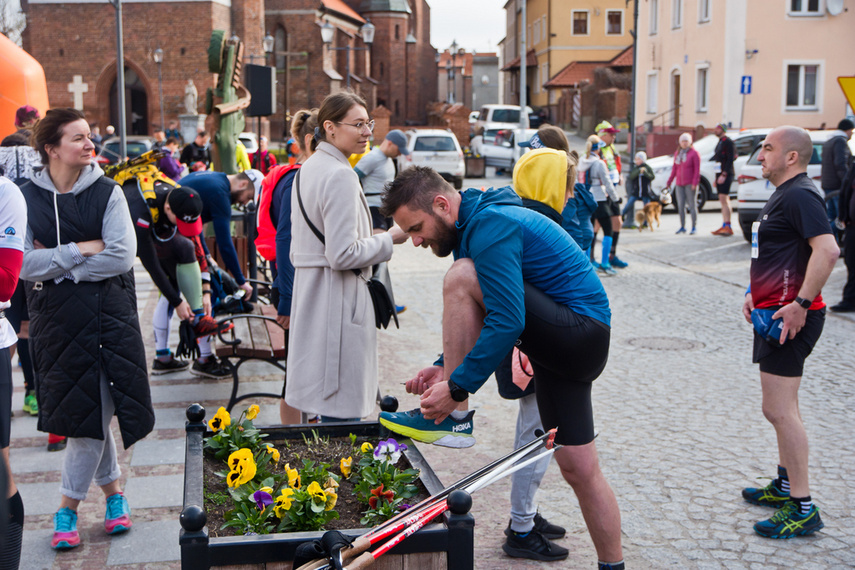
(592, 140)
(553, 137)
(572, 163)
(303, 123)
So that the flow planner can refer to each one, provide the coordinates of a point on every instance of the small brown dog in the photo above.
(647, 215)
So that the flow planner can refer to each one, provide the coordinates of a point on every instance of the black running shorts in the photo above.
(724, 189)
(567, 352)
(5, 397)
(788, 360)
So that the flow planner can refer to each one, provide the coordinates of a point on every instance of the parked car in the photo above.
(503, 151)
(136, 145)
(754, 191)
(473, 116)
(250, 141)
(493, 117)
(437, 149)
(744, 141)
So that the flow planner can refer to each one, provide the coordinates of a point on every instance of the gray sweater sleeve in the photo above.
(45, 264)
(120, 243)
(603, 174)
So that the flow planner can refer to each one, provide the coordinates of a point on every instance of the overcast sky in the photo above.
(475, 24)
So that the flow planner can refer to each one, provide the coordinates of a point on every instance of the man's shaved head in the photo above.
(795, 139)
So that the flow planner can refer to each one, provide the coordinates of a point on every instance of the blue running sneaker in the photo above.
(789, 522)
(118, 516)
(768, 496)
(65, 529)
(412, 424)
(617, 262)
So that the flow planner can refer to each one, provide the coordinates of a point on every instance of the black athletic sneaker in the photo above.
(533, 546)
(211, 369)
(546, 528)
(173, 365)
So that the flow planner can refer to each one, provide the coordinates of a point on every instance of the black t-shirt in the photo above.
(725, 153)
(779, 246)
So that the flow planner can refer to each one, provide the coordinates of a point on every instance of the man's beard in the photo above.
(446, 239)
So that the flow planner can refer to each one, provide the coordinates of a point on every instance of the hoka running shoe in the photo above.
(768, 496)
(31, 405)
(118, 516)
(534, 546)
(171, 365)
(412, 424)
(788, 522)
(212, 368)
(607, 269)
(546, 528)
(65, 529)
(618, 262)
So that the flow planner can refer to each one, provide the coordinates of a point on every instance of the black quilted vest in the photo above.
(79, 331)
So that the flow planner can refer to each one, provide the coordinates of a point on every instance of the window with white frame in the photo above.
(544, 73)
(580, 22)
(652, 92)
(535, 35)
(803, 82)
(806, 7)
(654, 17)
(614, 22)
(676, 14)
(704, 10)
(702, 88)
(543, 31)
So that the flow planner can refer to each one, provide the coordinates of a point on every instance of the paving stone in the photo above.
(35, 549)
(24, 425)
(170, 418)
(146, 542)
(39, 498)
(155, 491)
(158, 452)
(34, 459)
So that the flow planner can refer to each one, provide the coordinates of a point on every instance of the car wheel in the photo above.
(704, 192)
(458, 183)
(746, 230)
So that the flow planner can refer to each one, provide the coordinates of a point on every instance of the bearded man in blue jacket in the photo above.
(517, 278)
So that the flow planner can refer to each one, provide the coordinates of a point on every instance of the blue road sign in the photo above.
(745, 85)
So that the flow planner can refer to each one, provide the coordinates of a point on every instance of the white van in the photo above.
(494, 117)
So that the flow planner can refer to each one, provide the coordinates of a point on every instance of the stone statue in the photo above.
(191, 97)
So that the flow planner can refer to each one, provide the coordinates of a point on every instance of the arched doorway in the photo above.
(136, 103)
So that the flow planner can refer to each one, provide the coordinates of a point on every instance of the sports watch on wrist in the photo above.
(803, 303)
(458, 394)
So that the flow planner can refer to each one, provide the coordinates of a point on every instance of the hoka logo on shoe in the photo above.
(461, 427)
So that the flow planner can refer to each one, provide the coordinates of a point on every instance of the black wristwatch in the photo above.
(803, 303)
(458, 394)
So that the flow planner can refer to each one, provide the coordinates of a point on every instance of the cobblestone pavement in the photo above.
(677, 411)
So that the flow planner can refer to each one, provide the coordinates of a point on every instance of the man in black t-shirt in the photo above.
(725, 154)
(792, 255)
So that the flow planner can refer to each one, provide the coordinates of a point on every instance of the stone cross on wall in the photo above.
(78, 88)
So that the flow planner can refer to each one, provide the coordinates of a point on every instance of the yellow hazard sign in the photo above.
(848, 86)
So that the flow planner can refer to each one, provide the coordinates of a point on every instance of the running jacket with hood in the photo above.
(83, 310)
(510, 244)
(601, 185)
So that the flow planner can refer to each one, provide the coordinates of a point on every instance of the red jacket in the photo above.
(265, 242)
(688, 172)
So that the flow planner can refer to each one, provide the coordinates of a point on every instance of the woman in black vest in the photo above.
(84, 331)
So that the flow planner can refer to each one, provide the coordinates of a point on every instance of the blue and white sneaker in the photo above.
(449, 433)
(617, 262)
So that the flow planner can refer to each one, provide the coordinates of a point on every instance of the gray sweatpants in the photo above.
(686, 196)
(525, 482)
(87, 459)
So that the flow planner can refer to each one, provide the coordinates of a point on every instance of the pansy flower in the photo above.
(252, 411)
(389, 451)
(262, 499)
(274, 452)
(366, 447)
(331, 499)
(379, 493)
(293, 477)
(221, 420)
(240, 456)
(242, 467)
(345, 465)
(331, 483)
(283, 502)
(314, 490)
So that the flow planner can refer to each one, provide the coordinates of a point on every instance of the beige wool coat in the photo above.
(332, 350)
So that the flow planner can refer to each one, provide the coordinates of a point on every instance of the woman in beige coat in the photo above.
(332, 351)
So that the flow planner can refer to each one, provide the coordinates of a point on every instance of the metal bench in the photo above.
(255, 336)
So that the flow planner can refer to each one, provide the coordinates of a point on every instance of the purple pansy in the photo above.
(262, 499)
(389, 450)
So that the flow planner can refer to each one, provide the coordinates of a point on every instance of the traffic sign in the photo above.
(745, 85)
(848, 86)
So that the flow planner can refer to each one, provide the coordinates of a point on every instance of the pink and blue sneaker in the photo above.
(118, 517)
(65, 529)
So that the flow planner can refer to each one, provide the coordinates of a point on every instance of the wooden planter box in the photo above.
(439, 546)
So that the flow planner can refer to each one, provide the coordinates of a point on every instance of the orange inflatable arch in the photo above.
(23, 84)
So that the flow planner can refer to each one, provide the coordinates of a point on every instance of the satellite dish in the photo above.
(834, 7)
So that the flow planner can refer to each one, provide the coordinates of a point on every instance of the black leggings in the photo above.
(603, 215)
(567, 352)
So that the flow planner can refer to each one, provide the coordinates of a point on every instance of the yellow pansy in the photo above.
(366, 447)
(331, 483)
(267, 490)
(345, 466)
(243, 474)
(252, 412)
(240, 456)
(293, 477)
(314, 490)
(332, 497)
(274, 452)
(283, 502)
(221, 420)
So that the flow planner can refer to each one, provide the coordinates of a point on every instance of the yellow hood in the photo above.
(542, 175)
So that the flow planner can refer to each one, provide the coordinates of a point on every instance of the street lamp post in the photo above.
(327, 33)
(449, 70)
(158, 59)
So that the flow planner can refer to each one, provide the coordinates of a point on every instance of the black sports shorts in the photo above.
(5, 397)
(788, 359)
(567, 352)
(724, 189)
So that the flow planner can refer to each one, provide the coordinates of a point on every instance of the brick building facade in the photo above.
(75, 42)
